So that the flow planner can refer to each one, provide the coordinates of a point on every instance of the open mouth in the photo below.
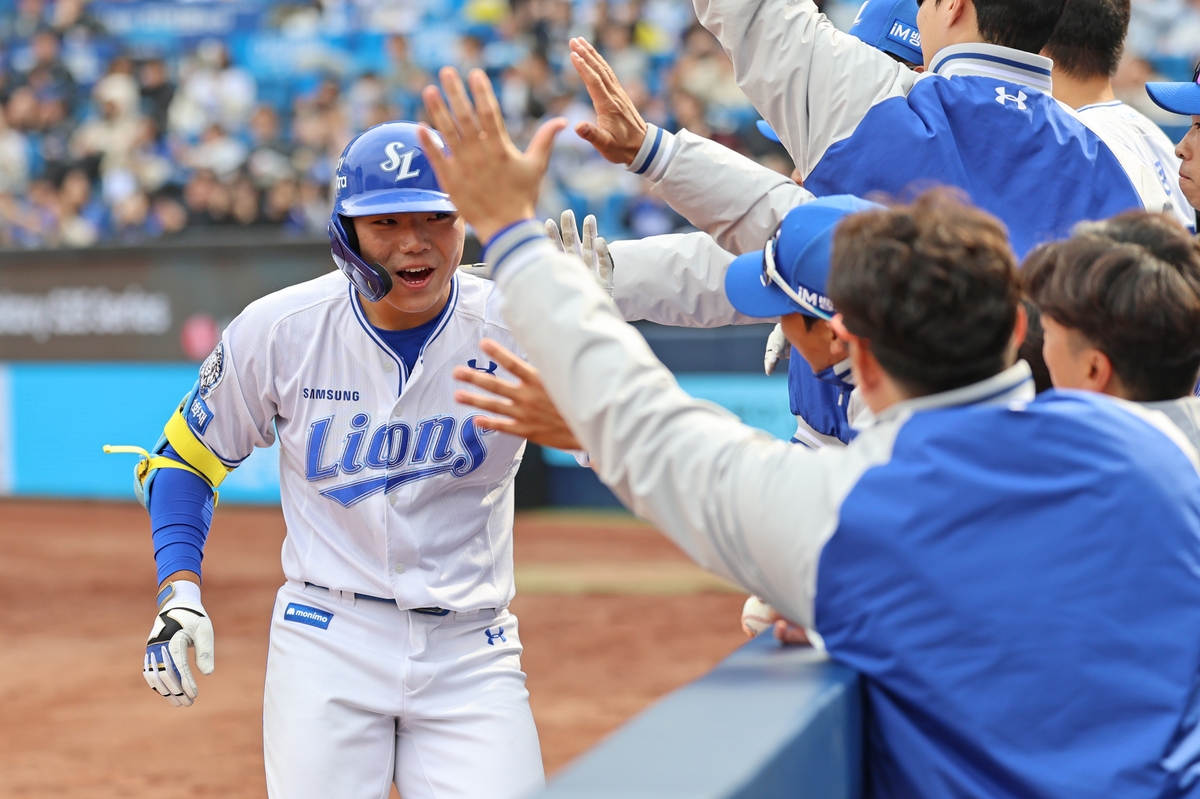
(416, 277)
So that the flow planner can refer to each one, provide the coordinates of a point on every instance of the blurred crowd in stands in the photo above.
(116, 131)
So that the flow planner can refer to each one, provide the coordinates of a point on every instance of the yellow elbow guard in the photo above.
(202, 461)
(199, 460)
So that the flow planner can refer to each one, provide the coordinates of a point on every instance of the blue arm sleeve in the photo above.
(181, 508)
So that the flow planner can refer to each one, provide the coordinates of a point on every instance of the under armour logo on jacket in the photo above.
(493, 636)
(491, 367)
(399, 162)
(1003, 97)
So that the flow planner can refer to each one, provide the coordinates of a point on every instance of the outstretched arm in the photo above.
(736, 200)
(707, 480)
(810, 81)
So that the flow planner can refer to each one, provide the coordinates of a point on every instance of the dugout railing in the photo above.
(768, 722)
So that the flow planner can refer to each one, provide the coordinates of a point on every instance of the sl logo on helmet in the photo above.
(399, 162)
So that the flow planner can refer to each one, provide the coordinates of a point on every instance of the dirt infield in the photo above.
(612, 617)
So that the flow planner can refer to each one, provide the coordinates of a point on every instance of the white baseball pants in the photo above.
(360, 694)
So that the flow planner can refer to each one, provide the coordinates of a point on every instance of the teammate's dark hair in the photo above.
(932, 285)
(1090, 38)
(1140, 310)
(1019, 24)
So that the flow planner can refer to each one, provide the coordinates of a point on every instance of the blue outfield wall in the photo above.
(56, 417)
(769, 722)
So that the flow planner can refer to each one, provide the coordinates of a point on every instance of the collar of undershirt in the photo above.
(993, 61)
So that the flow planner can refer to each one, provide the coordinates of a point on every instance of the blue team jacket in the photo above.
(1057, 657)
(1017, 152)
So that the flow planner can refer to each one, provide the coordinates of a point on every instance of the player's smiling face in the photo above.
(421, 251)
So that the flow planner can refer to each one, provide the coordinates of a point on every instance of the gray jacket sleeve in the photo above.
(726, 493)
(680, 279)
(736, 200)
(810, 81)
(676, 280)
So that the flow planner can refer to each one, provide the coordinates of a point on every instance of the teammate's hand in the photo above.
(181, 624)
(778, 349)
(619, 129)
(790, 634)
(592, 249)
(490, 181)
(526, 407)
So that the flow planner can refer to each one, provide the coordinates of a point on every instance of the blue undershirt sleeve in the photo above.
(181, 508)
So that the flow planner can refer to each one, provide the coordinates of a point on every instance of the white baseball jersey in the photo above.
(1118, 121)
(387, 487)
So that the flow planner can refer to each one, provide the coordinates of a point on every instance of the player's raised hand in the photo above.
(490, 181)
(526, 407)
(182, 624)
(619, 129)
(591, 249)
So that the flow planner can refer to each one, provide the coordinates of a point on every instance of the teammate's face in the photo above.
(819, 346)
(1189, 171)
(421, 251)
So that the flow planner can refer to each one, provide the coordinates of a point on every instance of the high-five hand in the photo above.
(619, 129)
(592, 249)
(490, 181)
(525, 410)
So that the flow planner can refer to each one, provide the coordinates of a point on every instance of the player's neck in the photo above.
(1080, 92)
(388, 317)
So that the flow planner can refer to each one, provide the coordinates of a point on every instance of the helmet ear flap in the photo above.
(350, 233)
(385, 277)
(372, 280)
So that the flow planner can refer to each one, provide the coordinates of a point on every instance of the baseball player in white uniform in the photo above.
(393, 657)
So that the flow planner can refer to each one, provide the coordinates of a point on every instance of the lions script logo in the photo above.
(405, 453)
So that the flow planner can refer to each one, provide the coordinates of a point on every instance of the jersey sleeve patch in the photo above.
(211, 372)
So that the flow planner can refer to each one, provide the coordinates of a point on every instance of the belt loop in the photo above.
(345, 597)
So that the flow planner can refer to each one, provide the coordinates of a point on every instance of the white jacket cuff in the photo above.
(514, 247)
(658, 148)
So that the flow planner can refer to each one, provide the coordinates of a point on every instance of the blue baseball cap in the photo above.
(766, 130)
(1179, 98)
(799, 252)
(891, 26)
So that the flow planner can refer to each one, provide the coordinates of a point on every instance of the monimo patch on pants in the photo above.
(307, 615)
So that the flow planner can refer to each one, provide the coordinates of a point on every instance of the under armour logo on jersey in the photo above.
(1003, 97)
(399, 162)
(491, 367)
(493, 636)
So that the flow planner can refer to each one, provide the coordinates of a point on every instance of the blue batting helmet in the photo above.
(382, 171)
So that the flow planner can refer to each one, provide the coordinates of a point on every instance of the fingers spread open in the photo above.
(509, 360)
(491, 120)
(486, 382)
(437, 159)
(554, 235)
(499, 425)
(542, 144)
(440, 117)
(460, 104)
(570, 233)
(484, 403)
